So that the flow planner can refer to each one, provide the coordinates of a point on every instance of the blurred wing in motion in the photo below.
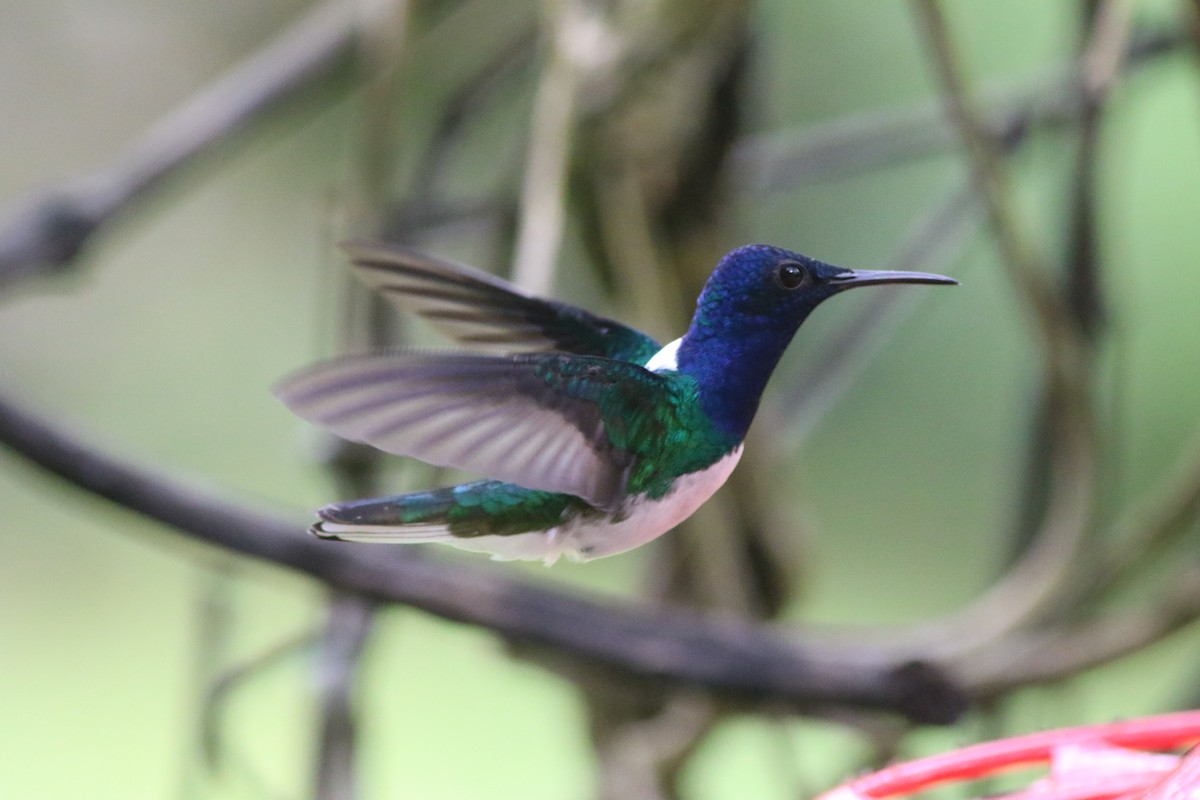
(484, 311)
(543, 421)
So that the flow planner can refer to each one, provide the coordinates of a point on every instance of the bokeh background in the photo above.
(164, 340)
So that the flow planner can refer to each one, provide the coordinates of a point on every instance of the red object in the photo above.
(1093, 762)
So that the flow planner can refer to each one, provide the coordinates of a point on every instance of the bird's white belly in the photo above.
(596, 538)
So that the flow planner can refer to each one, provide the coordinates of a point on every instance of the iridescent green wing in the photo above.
(579, 425)
(484, 311)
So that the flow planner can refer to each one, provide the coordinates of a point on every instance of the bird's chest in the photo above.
(642, 519)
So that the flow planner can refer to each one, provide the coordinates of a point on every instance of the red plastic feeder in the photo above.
(1094, 762)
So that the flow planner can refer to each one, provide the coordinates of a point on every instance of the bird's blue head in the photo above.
(750, 309)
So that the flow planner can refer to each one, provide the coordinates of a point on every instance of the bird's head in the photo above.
(750, 309)
(763, 286)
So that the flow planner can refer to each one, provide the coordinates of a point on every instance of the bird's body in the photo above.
(465, 516)
(595, 439)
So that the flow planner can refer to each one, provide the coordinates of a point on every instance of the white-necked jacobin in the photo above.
(594, 438)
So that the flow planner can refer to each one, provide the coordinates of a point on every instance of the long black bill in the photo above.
(868, 277)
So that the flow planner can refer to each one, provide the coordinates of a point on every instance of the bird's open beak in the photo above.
(868, 277)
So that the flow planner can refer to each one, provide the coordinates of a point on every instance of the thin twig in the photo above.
(1107, 47)
(213, 633)
(217, 752)
(1028, 271)
(1107, 23)
(543, 211)
(637, 758)
(1043, 656)
(1029, 588)
(47, 231)
(741, 661)
(383, 49)
(1154, 524)
(1099, 67)
(346, 634)
(876, 139)
(934, 239)
(355, 468)
(1194, 23)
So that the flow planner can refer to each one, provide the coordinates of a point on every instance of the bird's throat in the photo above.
(730, 375)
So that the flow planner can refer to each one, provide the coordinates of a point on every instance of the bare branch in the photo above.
(1030, 587)
(1089, 86)
(1150, 527)
(354, 467)
(639, 757)
(1107, 47)
(741, 661)
(1195, 23)
(875, 139)
(346, 633)
(933, 239)
(543, 213)
(216, 750)
(1099, 67)
(47, 231)
(1027, 269)
(1044, 656)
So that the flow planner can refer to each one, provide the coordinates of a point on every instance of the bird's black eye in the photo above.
(791, 275)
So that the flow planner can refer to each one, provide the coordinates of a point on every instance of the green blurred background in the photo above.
(165, 342)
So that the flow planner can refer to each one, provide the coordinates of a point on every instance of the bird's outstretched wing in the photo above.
(484, 311)
(548, 421)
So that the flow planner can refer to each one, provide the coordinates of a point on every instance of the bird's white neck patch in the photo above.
(665, 359)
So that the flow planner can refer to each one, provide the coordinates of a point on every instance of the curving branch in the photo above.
(744, 663)
(215, 749)
(1151, 526)
(933, 239)
(879, 138)
(985, 158)
(1054, 654)
(543, 210)
(346, 634)
(46, 231)
(1029, 589)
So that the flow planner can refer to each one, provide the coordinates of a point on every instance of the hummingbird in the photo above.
(594, 439)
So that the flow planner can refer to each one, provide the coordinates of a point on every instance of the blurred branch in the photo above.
(574, 35)
(934, 239)
(882, 138)
(878, 139)
(1043, 656)
(420, 210)
(214, 632)
(1107, 28)
(48, 230)
(1194, 24)
(1099, 67)
(1107, 47)
(1030, 587)
(999, 641)
(346, 632)
(44, 232)
(639, 760)
(1154, 525)
(742, 661)
(383, 49)
(637, 152)
(354, 467)
(1028, 271)
(218, 694)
